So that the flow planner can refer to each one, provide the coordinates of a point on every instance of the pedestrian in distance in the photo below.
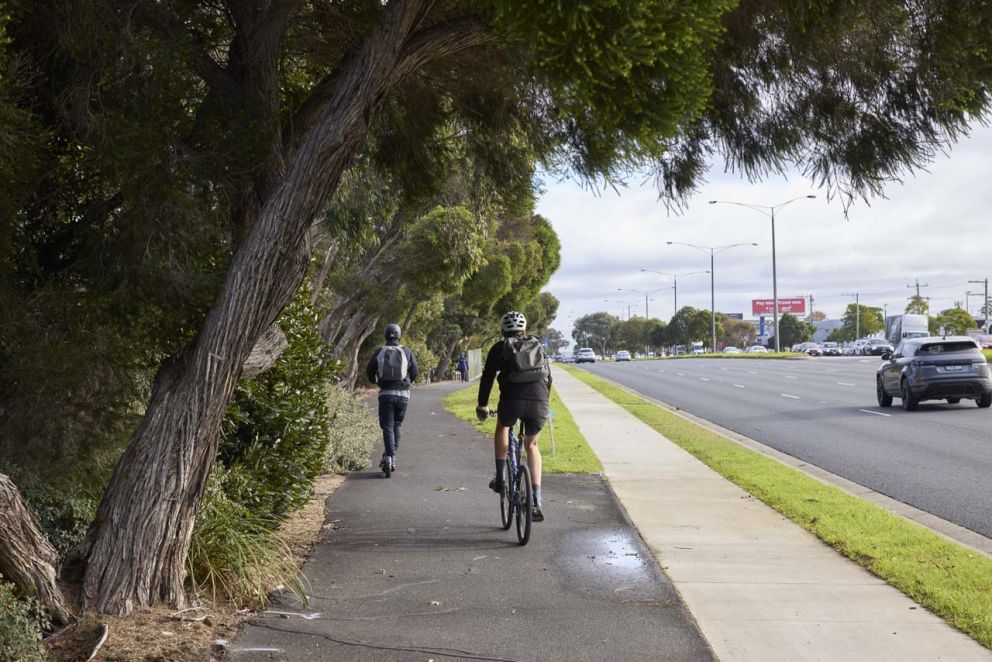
(463, 366)
(393, 368)
(520, 365)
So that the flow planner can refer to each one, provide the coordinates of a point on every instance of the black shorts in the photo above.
(533, 413)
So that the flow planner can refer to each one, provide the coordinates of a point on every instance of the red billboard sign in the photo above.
(767, 306)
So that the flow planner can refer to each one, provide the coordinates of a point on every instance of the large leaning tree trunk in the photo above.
(26, 557)
(136, 549)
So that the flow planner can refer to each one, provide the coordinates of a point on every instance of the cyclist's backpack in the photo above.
(393, 366)
(527, 360)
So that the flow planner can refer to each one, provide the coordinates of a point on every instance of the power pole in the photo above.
(917, 285)
(810, 308)
(985, 301)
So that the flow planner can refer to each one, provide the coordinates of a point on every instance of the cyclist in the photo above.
(393, 368)
(519, 364)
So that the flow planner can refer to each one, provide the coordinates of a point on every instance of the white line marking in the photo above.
(751, 372)
(703, 379)
(847, 384)
(680, 374)
(723, 369)
(739, 386)
(791, 377)
(786, 395)
(877, 413)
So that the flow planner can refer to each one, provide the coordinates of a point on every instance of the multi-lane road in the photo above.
(823, 411)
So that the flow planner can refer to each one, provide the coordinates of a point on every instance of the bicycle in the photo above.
(516, 499)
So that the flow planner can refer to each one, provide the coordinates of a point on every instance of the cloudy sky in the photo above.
(933, 227)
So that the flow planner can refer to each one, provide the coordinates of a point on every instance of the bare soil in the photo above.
(162, 634)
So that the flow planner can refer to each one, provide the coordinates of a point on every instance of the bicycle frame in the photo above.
(513, 460)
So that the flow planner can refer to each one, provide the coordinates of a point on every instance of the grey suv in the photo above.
(950, 368)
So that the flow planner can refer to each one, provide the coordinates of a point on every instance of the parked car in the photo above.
(585, 355)
(848, 351)
(813, 349)
(859, 346)
(952, 368)
(877, 347)
(731, 350)
(831, 349)
(623, 355)
(756, 349)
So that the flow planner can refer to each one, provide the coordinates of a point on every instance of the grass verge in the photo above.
(950, 580)
(573, 452)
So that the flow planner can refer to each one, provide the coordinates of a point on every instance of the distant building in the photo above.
(824, 329)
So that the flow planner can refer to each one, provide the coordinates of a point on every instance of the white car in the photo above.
(731, 350)
(623, 355)
(757, 349)
(585, 355)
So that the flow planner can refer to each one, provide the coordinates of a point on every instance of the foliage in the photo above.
(20, 629)
(856, 316)
(918, 305)
(739, 333)
(556, 341)
(236, 553)
(275, 436)
(354, 431)
(595, 330)
(953, 321)
(793, 330)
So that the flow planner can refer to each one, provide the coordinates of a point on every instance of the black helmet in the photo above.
(393, 332)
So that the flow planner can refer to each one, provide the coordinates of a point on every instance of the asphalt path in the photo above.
(823, 411)
(416, 567)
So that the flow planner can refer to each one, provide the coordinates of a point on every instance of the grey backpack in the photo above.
(526, 359)
(393, 366)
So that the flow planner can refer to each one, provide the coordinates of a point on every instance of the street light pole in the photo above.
(675, 283)
(768, 210)
(713, 250)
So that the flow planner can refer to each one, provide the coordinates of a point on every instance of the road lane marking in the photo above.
(791, 377)
(786, 395)
(703, 379)
(739, 386)
(877, 413)
(751, 372)
(846, 384)
(680, 374)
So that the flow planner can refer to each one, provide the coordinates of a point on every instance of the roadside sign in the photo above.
(767, 306)
(735, 316)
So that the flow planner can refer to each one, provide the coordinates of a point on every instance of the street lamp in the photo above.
(768, 210)
(713, 250)
(622, 303)
(675, 282)
(645, 293)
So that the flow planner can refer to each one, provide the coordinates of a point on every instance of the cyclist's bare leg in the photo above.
(533, 458)
(501, 441)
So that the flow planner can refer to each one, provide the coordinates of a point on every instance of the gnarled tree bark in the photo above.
(266, 352)
(26, 557)
(136, 548)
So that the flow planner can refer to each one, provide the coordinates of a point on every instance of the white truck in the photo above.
(901, 327)
(698, 348)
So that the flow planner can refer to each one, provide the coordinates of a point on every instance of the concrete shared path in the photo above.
(760, 587)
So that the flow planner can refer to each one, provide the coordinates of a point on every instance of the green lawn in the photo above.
(952, 581)
(573, 452)
(987, 353)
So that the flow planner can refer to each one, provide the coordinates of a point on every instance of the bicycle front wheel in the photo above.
(506, 501)
(524, 504)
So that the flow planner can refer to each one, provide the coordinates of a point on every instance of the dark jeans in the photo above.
(392, 410)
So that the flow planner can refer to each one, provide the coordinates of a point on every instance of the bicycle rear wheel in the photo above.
(506, 501)
(524, 504)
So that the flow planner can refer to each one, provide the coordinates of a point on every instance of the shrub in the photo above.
(235, 553)
(20, 630)
(354, 431)
(275, 437)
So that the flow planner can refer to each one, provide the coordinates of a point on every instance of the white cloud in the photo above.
(933, 227)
